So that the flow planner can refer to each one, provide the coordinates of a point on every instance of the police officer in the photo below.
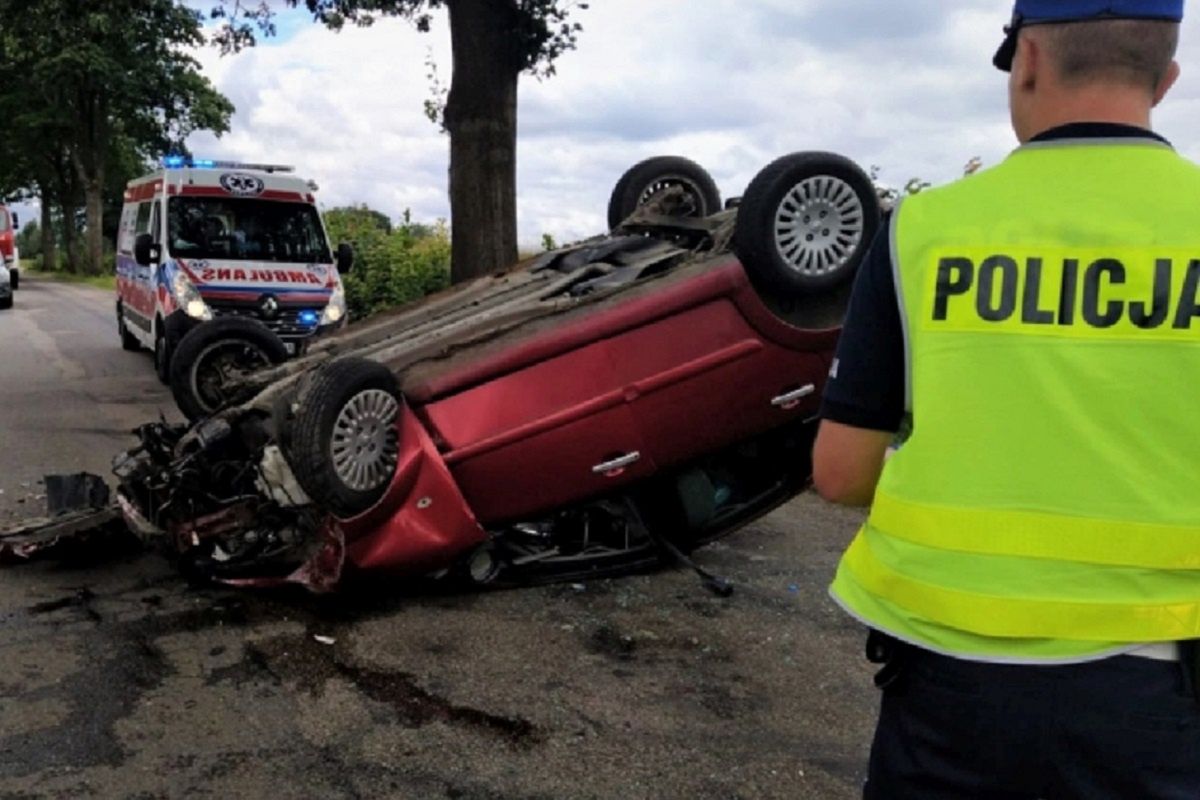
(1030, 568)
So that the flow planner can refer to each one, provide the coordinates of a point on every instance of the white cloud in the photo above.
(732, 84)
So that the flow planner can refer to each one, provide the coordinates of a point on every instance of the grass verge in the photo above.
(108, 282)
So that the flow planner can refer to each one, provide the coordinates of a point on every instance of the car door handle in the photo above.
(616, 466)
(789, 400)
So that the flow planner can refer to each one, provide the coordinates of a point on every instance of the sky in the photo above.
(732, 84)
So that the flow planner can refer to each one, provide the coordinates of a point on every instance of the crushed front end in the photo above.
(221, 499)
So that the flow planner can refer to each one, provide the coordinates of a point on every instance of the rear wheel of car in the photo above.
(646, 180)
(14, 279)
(210, 361)
(128, 340)
(344, 444)
(806, 222)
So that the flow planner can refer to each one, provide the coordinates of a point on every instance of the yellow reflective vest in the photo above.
(1047, 503)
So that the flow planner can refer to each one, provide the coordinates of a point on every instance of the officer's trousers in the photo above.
(1122, 728)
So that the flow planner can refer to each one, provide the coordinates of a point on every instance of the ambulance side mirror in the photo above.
(345, 258)
(145, 251)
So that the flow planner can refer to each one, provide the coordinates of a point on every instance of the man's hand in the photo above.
(847, 462)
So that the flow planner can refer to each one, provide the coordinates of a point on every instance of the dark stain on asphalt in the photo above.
(119, 663)
(607, 640)
(82, 599)
(117, 670)
(457, 792)
(310, 664)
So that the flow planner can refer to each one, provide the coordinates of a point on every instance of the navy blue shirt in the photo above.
(866, 385)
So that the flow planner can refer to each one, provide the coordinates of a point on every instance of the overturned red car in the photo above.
(592, 411)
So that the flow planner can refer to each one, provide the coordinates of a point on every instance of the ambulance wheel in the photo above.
(128, 340)
(806, 222)
(344, 444)
(211, 361)
(162, 356)
(646, 179)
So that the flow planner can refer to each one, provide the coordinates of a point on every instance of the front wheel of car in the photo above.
(211, 361)
(344, 444)
(805, 223)
(6, 302)
(14, 279)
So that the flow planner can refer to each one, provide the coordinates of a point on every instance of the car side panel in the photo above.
(670, 388)
(532, 440)
(703, 380)
(422, 523)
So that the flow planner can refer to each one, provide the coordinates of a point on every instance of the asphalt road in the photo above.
(117, 680)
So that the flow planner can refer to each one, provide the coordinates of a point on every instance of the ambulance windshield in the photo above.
(245, 229)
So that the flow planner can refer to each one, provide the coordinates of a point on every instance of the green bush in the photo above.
(393, 265)
(30, 240)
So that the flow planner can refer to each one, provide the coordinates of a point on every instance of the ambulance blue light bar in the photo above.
(180, 162)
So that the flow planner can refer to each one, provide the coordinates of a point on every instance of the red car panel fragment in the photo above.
(423, 522)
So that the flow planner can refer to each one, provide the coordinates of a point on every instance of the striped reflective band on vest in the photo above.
(1009, 616)
(1024, 533)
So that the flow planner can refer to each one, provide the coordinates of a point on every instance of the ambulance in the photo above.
(10, 257)
(200, 239)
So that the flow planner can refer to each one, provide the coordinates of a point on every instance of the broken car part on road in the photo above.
(596, 410)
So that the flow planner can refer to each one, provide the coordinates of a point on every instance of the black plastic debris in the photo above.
(77, 492)
(80, 519)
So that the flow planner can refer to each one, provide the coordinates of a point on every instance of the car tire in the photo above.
(14, 278)
(6, 302)
(128, 340)
(162, 356)
(201, 361)
(805, 223)
(643, 180)
(344, 445)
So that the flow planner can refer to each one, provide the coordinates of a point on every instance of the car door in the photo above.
(135, 285)
(703, 379)
(542, 437)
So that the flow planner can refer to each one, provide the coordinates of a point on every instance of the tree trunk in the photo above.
(70, 237)
(94, 194)
(66, 195)
(88, 157)
(49, 243)
(481, 118)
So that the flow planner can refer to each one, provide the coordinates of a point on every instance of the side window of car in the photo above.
(156, 223)
(125, 229)
(143, 217)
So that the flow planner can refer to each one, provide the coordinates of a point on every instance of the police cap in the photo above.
(1038, 12)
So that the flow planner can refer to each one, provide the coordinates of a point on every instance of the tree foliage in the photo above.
(92, 92)
(393, 265)
(541, 30)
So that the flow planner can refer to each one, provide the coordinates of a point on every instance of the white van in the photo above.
(201, 239)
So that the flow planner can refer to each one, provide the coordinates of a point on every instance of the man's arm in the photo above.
(847, 462)
(864, 398)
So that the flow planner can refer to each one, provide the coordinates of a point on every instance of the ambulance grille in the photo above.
(286, 324)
